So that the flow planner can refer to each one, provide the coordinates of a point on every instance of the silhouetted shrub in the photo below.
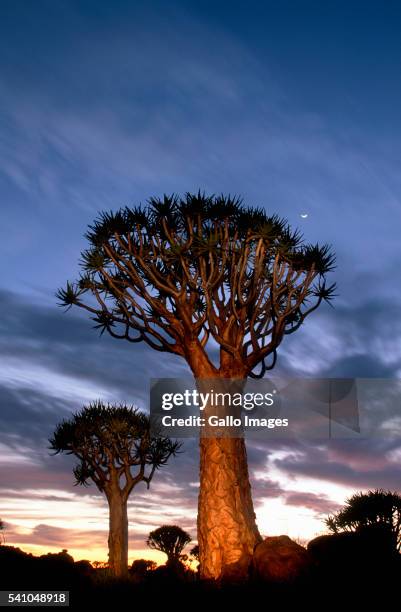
(140, 568)
(348, 556)
(55, 571)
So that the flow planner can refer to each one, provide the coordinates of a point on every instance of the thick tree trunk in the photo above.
(118, 534)
(227, 531)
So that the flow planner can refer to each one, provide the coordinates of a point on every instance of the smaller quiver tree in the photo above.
(171, 540)
(115, 449)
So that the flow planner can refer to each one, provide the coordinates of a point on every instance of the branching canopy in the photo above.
(181, 272)
(169, 539)
(114, 446)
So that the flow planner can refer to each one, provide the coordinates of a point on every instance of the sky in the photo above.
(294, 106)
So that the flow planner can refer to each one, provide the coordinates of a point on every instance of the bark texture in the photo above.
(227, 531)
(118, 534)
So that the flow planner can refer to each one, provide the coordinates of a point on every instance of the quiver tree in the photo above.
(184, 275)
(377, 512)
(171, 540)
(116, 451)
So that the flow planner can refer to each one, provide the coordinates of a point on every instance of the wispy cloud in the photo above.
(157, 105)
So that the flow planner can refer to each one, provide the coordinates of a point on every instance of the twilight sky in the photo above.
(294, 106)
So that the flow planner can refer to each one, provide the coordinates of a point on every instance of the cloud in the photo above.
(65, 346)
(352, 340)
(48, 535)
(138, 116)
(320, 504)
(264, 487)
(42, 476)
(54, 361)
(356, 464)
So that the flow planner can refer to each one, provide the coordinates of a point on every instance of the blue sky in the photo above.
(293, 105)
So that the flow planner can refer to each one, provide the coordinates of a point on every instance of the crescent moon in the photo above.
(304, 216)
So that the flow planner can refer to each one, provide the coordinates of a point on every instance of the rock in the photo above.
(280, 559)
(350, 550)
(334, 549)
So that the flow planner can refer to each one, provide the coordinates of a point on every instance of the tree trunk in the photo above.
(227, 531)
(118, 533)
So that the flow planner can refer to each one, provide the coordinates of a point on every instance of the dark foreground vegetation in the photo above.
(337, 568)
(358, 561)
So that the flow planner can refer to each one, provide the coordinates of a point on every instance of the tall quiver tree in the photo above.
(115, 450)
(181, 273)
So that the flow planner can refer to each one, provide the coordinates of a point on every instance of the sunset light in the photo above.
(200, 299)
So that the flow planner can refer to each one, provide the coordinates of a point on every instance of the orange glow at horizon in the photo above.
(91, 554)
(42, 520)
(81, 524)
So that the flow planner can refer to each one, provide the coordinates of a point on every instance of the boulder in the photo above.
(280, 559)
(336, 549)
(342, 552)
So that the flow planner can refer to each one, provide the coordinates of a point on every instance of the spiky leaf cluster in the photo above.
(180, 271)
(374, 509)
(113, 443)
